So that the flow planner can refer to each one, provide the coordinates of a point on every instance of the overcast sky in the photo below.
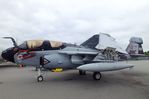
(73, 20)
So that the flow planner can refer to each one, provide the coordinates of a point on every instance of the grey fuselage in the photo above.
(67, 58)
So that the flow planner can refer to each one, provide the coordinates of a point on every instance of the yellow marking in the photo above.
(57, 70)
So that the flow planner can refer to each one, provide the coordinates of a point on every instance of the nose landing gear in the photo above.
(40, 77)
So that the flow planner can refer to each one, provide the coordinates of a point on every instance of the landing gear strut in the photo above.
(82, 72)
(39, 69)
(96, 75)
(40, 77)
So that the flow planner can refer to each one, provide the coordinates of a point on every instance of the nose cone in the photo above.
(8, 54)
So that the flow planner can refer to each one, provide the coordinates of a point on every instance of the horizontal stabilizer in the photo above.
(101, 67)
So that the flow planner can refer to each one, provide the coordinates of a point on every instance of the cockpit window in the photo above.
(55, 44)
(23, 45)
(37, 45)
(34, 43)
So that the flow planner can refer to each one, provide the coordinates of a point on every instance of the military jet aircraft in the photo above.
(92, 55)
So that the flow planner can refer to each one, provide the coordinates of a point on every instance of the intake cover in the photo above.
(76, 59)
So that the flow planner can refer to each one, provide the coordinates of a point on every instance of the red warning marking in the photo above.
(24, 55)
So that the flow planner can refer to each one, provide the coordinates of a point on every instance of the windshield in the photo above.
(41, 45)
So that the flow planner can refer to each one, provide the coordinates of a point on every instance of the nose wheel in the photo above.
(40, 77)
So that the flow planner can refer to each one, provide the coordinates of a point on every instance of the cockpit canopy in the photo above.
(37, 45)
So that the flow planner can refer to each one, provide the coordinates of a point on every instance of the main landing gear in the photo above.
(96, 75)
(82, 72)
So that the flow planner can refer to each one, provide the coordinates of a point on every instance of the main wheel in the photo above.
(81, 72)
(96, 75)
(40, 78)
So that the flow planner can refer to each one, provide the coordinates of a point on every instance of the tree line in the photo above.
(146, 53)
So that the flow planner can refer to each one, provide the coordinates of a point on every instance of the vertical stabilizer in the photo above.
(135, 46)
(91, 42)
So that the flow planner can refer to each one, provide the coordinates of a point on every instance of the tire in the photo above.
(40, 78)
(96, 75)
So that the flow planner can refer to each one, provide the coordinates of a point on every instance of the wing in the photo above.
(80, 55)
(78, 50)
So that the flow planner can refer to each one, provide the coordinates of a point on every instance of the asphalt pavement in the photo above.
(20, 83)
